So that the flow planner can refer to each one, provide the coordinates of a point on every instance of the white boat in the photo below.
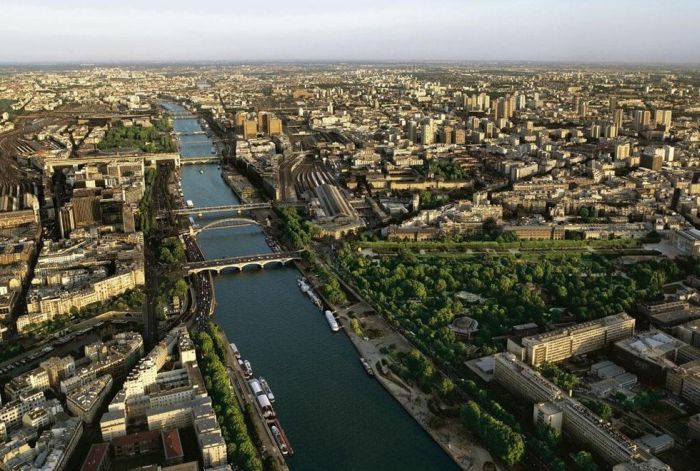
(331, 321)
(303, 285)
(266, 387)
(247, 369)
(190, 204)
(236, 353)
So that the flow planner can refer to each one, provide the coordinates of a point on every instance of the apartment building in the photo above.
(11, 413)
(33, 380)
(58, 369)
(86, 400)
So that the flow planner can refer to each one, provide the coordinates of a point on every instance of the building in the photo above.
(165, 401)
(98, 458)
(250, 129)
(137, 444)
(652, 161)
(58, 369)
(653, 353)
(689, 332)
(549, 414)
(577, 421)
(560, 344)
(641, 120)
(172, 447)
(51, 452)
(687, 241)
(33, 380)
(86, 400)
(663, 118)
(694, 427)
(537, 232)
(684, 381)
(11, 413)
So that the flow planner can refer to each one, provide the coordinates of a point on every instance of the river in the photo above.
(335, 416)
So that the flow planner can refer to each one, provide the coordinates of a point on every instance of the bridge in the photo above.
(199, 160)
(182, 114)
(191, 133)
(229, 208)
(240, 263)
(226, 223)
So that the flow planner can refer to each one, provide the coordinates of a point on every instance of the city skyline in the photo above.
(507, 30)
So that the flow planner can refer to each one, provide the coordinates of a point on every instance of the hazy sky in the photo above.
(177, 30)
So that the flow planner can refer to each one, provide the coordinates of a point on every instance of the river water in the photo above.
(335, 416)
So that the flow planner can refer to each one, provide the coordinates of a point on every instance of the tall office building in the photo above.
(582, 109)
(669, 152)
(412, 131)
(642, 120)
(504, 108)
(610, 131)
(460, 136)
(622, 151)
(274, 125)
(428, 133)
(268, 123)
(652, 161)
(618, 117)
(250, 128)
(662, 118)
(446, 135)
(262, 121)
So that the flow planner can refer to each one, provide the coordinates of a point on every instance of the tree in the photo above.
(499, 437)
(445, 386)
(561, 378)
(584, 461)
(603, 410)
(181, 288)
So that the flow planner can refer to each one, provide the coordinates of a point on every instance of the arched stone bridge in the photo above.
(240, 263)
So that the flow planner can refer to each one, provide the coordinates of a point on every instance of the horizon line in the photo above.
(302, 61)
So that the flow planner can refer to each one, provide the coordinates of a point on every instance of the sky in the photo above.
(96, 31)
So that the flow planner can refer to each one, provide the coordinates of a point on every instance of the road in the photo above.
(31, 358)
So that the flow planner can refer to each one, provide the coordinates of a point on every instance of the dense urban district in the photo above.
(511, 249)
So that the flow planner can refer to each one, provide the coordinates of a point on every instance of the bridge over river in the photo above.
(240, 263)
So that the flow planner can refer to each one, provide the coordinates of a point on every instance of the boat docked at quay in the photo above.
(266, 388)
(335, 327)
(366, 365)
(306, 288)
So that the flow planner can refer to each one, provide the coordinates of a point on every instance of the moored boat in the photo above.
(266, 388)
(367, 366)
(335, 327)
(236, 353)
(280, 441)
(247, 369)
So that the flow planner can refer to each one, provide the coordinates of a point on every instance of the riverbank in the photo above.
(448, 433)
